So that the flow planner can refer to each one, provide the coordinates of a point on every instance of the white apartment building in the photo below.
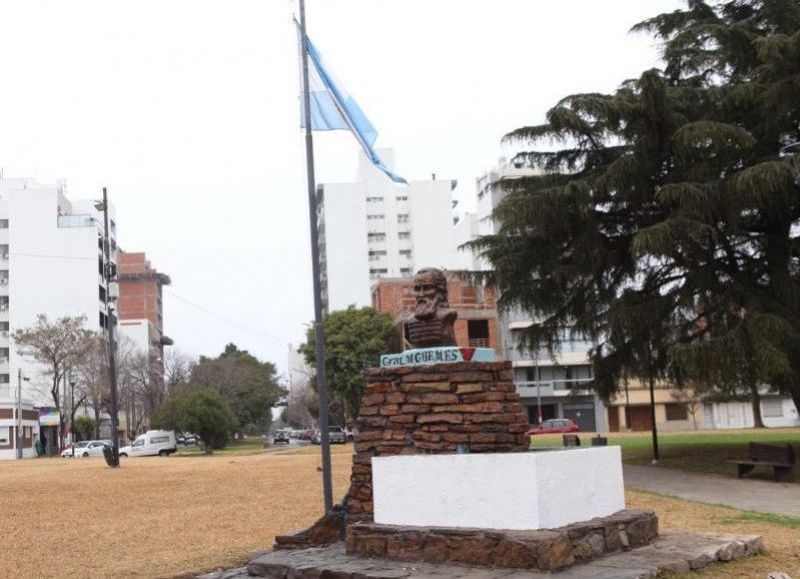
(373, 228)
(549, 386)
(51, 262)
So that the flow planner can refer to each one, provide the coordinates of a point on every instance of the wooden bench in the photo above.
(781, 458)
(571, 440)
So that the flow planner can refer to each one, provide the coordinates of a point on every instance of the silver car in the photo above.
(336, 435)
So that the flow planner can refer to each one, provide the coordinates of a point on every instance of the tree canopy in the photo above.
(355, 339)
(204, 412)
(249, 386)
(663, 218)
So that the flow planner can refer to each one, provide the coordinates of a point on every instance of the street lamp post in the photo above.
(72, 413)
(20, 378)
(108, 274)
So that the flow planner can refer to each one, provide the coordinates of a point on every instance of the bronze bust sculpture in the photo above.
(432, 323)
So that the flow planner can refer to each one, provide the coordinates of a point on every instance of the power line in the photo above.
(198, 307)
(229, 321)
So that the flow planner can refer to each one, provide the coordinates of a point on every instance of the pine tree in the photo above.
(664, 225)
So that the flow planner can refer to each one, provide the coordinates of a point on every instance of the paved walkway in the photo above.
(746, 494)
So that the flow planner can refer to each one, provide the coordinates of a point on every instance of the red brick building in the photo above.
(476, 325)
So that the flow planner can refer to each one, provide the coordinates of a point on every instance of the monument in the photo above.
(443, 475)
(430, 329)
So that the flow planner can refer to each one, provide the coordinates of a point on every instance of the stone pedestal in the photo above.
(434, 409)
(547, 550)
(519, 491)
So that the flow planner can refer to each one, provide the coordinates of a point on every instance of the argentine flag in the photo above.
(333, 109)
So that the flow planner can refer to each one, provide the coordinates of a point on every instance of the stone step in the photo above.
(678, 552)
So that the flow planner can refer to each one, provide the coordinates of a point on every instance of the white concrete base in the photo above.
(515, 491)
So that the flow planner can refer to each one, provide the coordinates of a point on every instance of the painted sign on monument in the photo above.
(443, 355)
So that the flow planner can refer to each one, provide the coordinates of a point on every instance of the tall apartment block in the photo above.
(373, 228)
(141, 310)
(51, 262)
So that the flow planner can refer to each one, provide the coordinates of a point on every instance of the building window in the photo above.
(402, 218)
(676, 411)
(404, 235)
(375, 255)
(4, 433)
(405, 271)
(102, 294)
(478, 333)
(374, 199)
(5, 379)
(373, 217)
(405, 252)
(772, 408)
(376, 237)
(102, 320)
(3, 223)
(378, 271)
(402, 198)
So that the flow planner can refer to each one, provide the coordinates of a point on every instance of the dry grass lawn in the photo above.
(159, 517)
(154, 517)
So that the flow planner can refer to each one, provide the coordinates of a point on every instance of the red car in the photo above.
(553, 426)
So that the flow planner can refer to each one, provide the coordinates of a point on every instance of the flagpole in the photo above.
(319, 336)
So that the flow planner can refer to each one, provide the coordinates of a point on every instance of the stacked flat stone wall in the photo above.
(546, 550)
(437, 409)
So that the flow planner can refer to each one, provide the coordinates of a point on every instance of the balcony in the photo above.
(479, 342)
(551, 387)
(82, 220)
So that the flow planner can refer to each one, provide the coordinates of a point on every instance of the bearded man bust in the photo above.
(432, 323)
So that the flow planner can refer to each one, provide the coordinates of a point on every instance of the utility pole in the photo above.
(108, 275)
(72, 414)
(19, 413)
(319, 336)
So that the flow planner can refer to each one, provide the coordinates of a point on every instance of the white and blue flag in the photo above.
(333, 109)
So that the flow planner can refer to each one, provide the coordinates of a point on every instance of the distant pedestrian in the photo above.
(39, 448)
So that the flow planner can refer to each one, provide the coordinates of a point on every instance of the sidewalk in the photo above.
(746, 494)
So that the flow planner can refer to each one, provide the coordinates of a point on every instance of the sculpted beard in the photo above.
(426, 307)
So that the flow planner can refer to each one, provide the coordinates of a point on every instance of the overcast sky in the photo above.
(187, 111)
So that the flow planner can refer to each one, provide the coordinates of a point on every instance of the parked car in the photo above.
(92, 448)
(191, 439)
(151, 443)
(554, 425)
(336, 435)
(67, 452)
(280, 436)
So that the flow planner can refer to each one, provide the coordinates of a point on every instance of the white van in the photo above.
(151, 443)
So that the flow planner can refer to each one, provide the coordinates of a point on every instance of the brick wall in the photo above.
(433, 410)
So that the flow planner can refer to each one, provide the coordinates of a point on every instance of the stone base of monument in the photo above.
(670, 552)
(443, 484)
(546, 550)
